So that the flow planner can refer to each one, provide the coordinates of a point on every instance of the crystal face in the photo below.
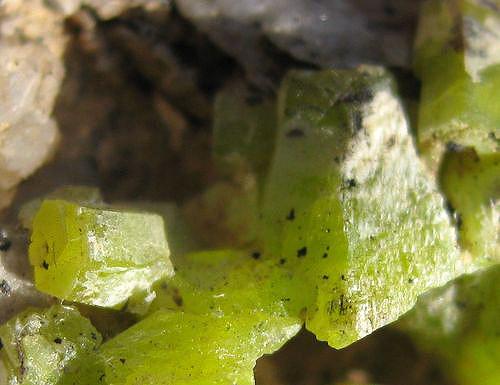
(350, 206)
(97, 256)
(55, 346)
(457, 57)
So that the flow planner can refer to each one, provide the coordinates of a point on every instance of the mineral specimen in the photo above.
(350, 206)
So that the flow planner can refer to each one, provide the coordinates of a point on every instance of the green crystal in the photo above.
(51, 347)
(97, 256)
(457, 57)
(472, 185)
(349, 206)
(459, 323)
(244, 130)
(208, 325)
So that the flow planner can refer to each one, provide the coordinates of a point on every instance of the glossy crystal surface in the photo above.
(457, 57)
(97, 256)
(55, 346)
(349, 206)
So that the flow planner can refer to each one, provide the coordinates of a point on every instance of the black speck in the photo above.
(295, 133)
(291, 215)
(253, 99)
(450, 208)
(342, 308)
(362, 96)
(391, 142)
(256, 255)
(342, 277)
(58, 340)
(5, 242)
(458, 220)
(123, 360)
(1, 344)
(326, 277)
(410, 280)
(357, 120)
(177, 298)
(45, 265)
(302, 252)
(492, 136)
(454, 147)
(93, 336)
(282, 261)
(325, 255)
(101, 377)
(5, 288)
(351, 183)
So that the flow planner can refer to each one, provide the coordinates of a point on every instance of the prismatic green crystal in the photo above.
(208, 325)
(244, 130)
(472, 185)
(457, 57)
(183, 348)
(97, 256)
(349, 206)
(56, 346)
(459, 323)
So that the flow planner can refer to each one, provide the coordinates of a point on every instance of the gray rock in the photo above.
(326, 33)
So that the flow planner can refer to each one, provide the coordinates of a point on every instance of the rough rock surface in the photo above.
(31, 70)
(322, 32)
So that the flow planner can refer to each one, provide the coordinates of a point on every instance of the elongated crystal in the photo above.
(208, 325)
(350, 206)
(459, 324)
(472, 186)
(457, 57)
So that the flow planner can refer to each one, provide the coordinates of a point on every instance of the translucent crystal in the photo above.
(97, 256)
(350, 206)
(472, 185)
(51, 347)
(459, 323)
(208, 325)
(457, 57)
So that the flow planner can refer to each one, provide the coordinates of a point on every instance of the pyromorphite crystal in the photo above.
(349, 205)
(97, 256)
(51, 347)
(230, 309)
(244, 130)
(457, 58)
(192, 349)
(459, 323)
(472, 185)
